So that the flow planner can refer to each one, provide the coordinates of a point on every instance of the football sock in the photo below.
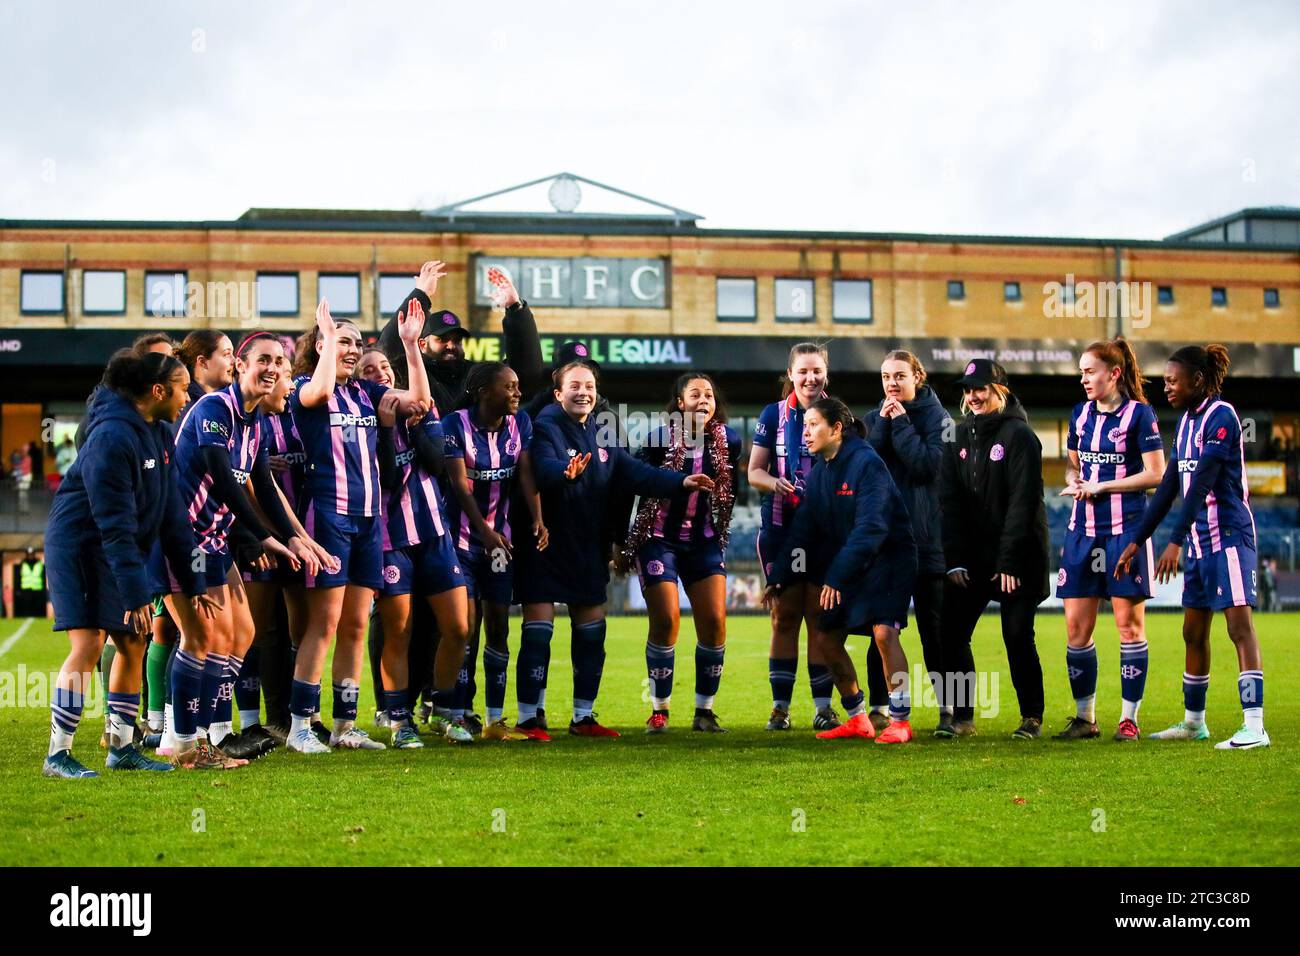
(1132, 677)
(1081, 663)
(588, 652)
(496, 665)
(1195, 688)
(819, 682)
(780, 674)
(1250, 686)
(659, 662)
(708, 674)
(65, 715)
(530, 668)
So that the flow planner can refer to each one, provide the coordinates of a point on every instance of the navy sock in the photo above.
(588, 650)
(820, 683)
(708, 674)
(248, 682)
(854, 705)
(530, 669)
(65, 715)
(659, 660)
(1250, 688)
(123, 710)
(214, 672)
(304, 699)
(1081, 663)
(187, 693)
(1133, 674)
(470, 689)
(780, 674)
(444, 701)
(346, 696)
(1195, 687)
(463, 697)
(496, 665)
(222, 711)
(396, 706)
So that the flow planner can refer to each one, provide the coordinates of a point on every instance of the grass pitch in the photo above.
(747, 797)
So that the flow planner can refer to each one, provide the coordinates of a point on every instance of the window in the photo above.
(1218, 296)
(737, 300)
(164, 294)
(393, 290)
(1165, 294)
(103, 292)
(851, 300)
(956, 290)
(343, 290)
(1011, 291)
(42, 293)
(1271, 299)
(794, 300)
(277, 293)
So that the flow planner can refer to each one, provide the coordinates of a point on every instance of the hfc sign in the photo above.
(580, 283)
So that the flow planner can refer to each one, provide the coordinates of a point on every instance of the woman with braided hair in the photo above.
(685, 539)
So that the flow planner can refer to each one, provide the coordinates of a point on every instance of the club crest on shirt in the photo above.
(512, 446)
(962, 454)
(1060, 578)
(1115, 434)
(997, 452)
(570, 452)
(604, 455)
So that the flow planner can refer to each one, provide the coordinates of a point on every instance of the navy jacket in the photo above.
(120, 496)
(994, 519)
(851, 518)
(576, 562)
(912, 446)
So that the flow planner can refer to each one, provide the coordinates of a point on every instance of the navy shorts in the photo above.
(355, 540)
(483, 580)
(424, 569)
(1088, 568)
(1221, 579)
(84, 592)
(214, 570)
(770, 542)
(658, 561)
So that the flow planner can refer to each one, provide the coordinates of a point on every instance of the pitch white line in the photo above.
(13, 638)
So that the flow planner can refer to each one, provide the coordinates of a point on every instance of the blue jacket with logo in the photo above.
(852, 518)
(120, 496)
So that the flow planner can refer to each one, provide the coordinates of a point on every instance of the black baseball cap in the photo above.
(442, 323)
(575, 352)
(982, 372)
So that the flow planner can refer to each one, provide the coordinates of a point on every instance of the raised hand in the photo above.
(410, 324)
(430, 273)
(325, 322)
(503, 293)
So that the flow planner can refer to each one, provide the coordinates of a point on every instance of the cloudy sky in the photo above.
(1093, 118)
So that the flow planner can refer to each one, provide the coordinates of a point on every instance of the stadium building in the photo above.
(653, 292)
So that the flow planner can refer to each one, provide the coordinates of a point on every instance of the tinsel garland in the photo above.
(721, 500)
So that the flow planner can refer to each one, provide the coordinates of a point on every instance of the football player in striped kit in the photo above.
(1217, 527)
(487, 447)
(420, 562)
(779, 464)
(685, 539)
(1115, 456)
(220, 448)
(338, 422)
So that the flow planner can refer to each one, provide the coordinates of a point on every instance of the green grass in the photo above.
(690, 799)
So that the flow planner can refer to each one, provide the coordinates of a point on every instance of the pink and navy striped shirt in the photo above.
(342, 474)
(1213, 430)
(1110, 446)
(491, 464)
(413, 507)
(217, 419)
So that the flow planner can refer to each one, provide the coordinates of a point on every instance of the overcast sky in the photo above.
(1094, 119)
